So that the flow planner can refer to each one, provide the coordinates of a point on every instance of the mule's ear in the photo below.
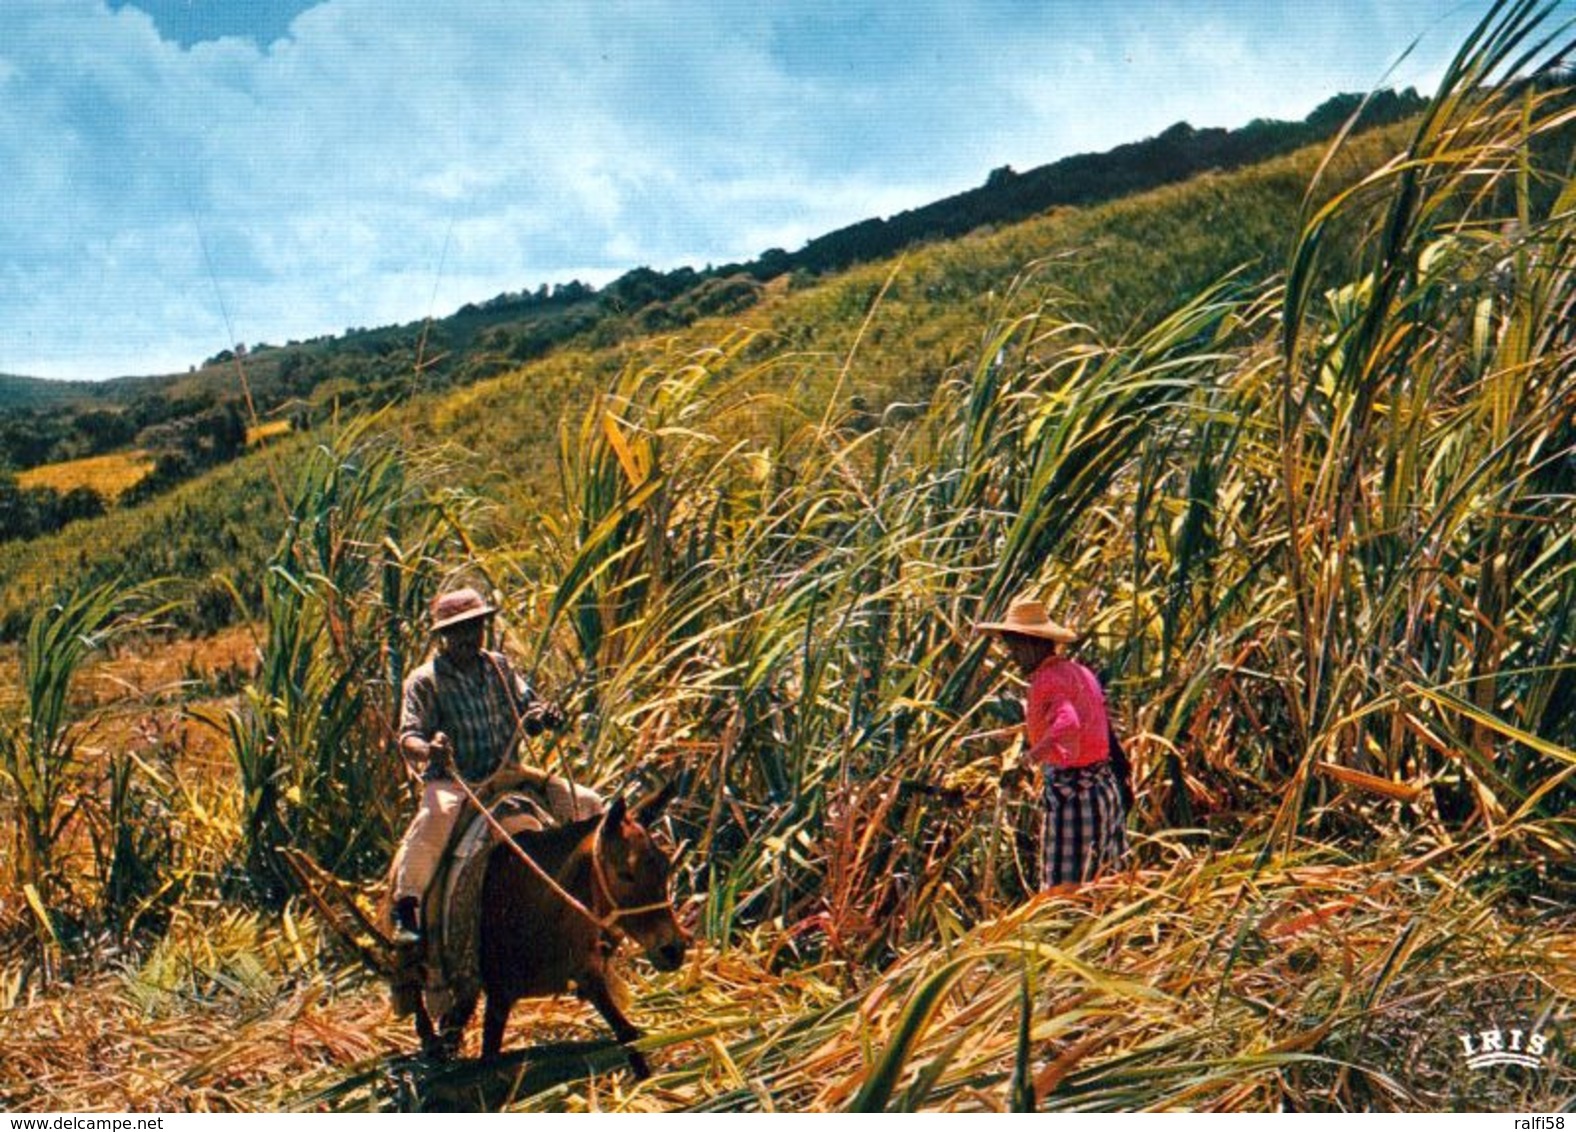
(613, 820)
(650, 808)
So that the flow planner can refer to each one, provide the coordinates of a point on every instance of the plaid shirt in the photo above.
(479, 709)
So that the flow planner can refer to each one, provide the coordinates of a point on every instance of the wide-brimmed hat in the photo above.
(1026, 617)
(456, 606)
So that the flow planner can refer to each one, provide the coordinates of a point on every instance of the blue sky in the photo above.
(182, 174)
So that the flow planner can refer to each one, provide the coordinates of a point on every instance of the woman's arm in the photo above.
(1053, 725)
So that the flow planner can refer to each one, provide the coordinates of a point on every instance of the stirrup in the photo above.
(406, 931)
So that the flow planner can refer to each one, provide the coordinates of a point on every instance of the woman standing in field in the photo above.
(1083, 827)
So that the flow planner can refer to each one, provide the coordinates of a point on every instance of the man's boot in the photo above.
(407, 932)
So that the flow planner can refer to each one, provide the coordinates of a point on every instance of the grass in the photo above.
(224, 523)
(110, 475)
(1209, 983)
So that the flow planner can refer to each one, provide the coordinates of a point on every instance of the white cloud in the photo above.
(326, 172)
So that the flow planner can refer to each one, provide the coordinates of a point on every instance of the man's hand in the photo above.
(440, 757)
(542, 716)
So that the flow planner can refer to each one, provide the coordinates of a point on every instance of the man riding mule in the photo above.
(462, 716)
(510, 881)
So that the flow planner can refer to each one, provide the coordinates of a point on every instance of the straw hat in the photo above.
(457, 606)
(1026, 617)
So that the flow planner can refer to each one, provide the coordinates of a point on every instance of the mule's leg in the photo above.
(494, 1020)
(596, 992)
(430, 1046)
(453, 1026)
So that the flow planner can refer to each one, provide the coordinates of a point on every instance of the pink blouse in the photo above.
(1065, 715)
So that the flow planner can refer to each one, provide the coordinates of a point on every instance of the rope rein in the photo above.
(599, 877)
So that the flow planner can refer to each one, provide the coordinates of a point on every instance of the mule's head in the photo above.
(634, 871)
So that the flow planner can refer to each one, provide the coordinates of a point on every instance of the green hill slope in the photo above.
(38, 393)
(1110, 266)
(181, 424)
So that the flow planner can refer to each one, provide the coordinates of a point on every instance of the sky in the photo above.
(182, 175)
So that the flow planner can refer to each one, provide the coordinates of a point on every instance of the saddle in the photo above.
(446, 967)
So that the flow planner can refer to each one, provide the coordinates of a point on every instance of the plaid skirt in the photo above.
(1084, 826)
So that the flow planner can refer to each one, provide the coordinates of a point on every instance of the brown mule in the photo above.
(535, 942)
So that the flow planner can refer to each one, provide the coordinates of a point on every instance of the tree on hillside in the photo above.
(18, 513)
(80, 502)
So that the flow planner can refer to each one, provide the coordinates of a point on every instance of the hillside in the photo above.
(38, 393)
(363, 369)
(1110, 265)
(533, 320)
